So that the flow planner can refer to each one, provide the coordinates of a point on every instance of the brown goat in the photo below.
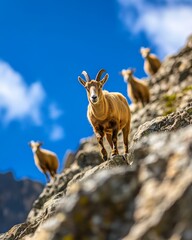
(108, 113)
(45, 160)
(151, 63)
(137, 90)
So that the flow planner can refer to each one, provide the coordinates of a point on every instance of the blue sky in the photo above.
(45, 45)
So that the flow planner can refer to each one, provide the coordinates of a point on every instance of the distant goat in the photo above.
(151, 63)
(45, 160)
(108, 113)
(137, 90)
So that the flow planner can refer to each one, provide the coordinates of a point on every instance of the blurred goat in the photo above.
(151, 63)
(137, 90)
(45, 160)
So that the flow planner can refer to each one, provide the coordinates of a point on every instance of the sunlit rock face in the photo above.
(149, 199)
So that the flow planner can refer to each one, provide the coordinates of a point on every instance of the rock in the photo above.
(173, 121)
(146, 201)
(163, 205)
(69, 159)
(82, 176)
(52, 190)
(91, 158)
(149, 199)
(92, 208)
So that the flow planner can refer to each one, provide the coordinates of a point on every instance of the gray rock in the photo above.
(148, 200)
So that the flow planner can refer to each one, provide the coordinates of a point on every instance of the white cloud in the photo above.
(167, 25)
(54, 111)
(173, 28)
(57, 133)
(19, 101)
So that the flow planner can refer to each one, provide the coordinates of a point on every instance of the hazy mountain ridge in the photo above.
(16, 199)
(151, 199)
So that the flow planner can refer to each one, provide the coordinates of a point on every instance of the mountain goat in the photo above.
(151, 63)
(108, 113)
(45, 160)
(137, 90)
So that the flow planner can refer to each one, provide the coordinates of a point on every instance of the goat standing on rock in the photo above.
(45, 160)
(151, 63)
(137, 90)
(108, 113)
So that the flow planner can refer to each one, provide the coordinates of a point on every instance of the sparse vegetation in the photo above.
(188, 88)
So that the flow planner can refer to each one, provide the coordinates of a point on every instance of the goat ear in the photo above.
(133, 70)
(104, 80)
(81, 81)
(40, 143)
(29, 143)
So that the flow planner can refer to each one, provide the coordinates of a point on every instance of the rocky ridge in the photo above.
(149, 199)
(16, 199)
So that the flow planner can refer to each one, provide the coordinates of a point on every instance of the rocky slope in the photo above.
(16, 199)
(149, 199)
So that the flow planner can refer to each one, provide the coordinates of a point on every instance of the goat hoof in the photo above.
(114, 154)
(104, 158)
(126, 156)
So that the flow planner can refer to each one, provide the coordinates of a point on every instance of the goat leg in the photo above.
(99, 136)
(46, 175)
(109, 139)
(114, 140)
(125, 131)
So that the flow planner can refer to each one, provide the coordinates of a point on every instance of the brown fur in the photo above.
(151, 63)
(137, 90)
(108, 115)
(45, 160)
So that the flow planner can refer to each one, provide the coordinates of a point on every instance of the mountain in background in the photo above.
(16, 199)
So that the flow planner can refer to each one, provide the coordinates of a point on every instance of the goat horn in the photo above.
(86, 75)
(99, 74)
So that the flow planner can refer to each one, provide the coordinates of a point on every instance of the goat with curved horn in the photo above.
(86, 75)
(108, 113)
(98, 76)
(87, 78)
